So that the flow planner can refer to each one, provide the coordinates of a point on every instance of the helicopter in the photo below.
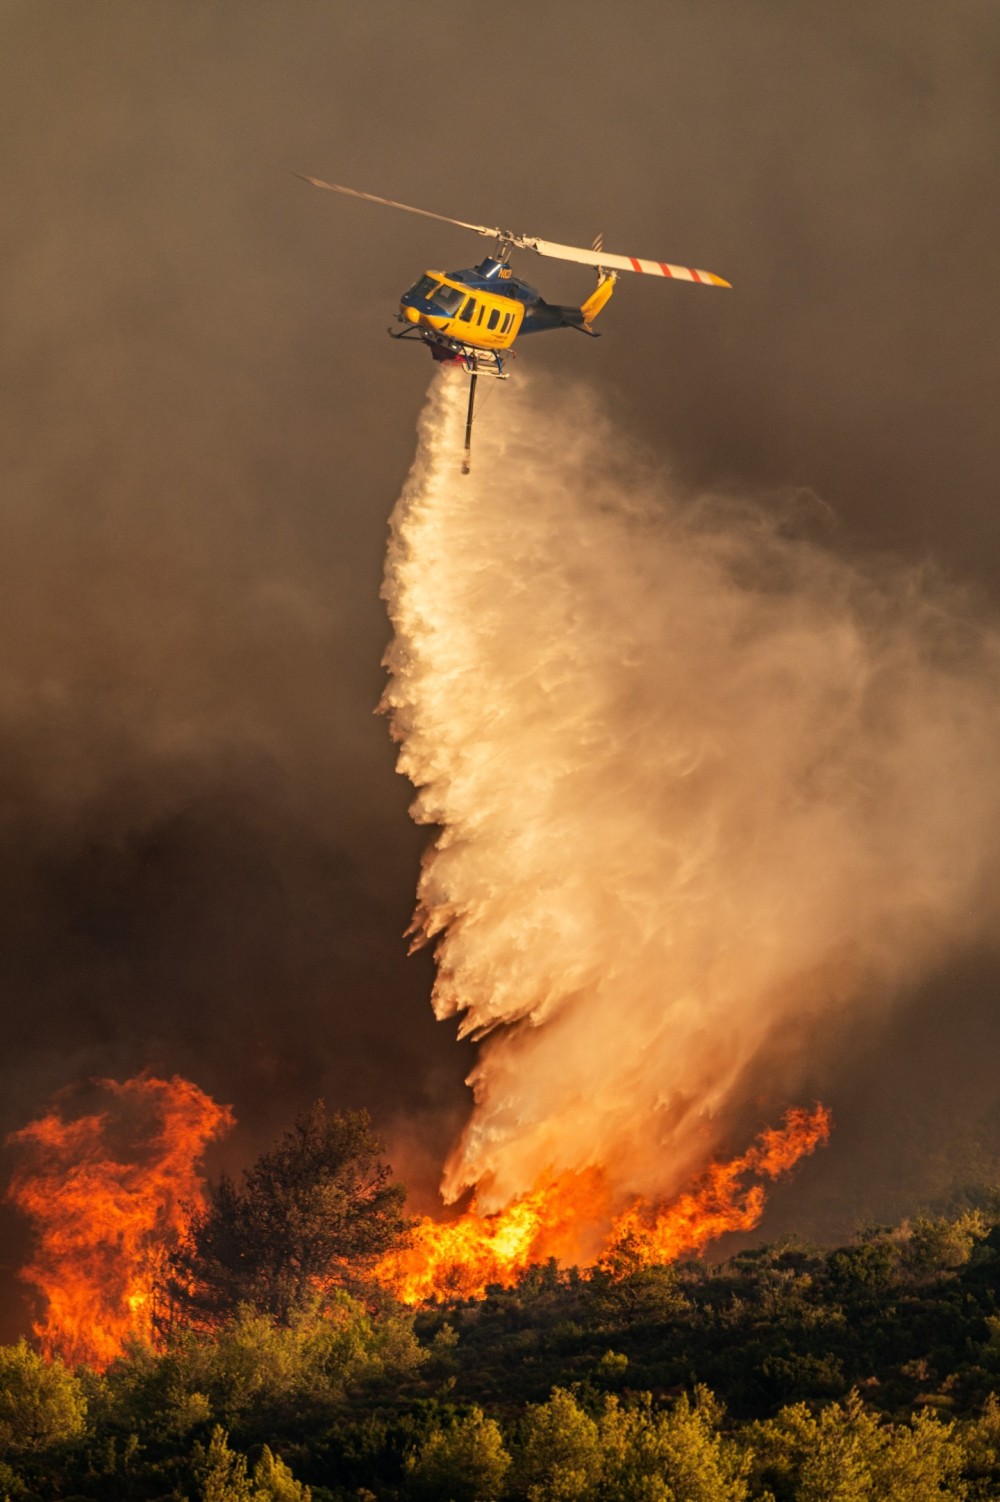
(472, 317)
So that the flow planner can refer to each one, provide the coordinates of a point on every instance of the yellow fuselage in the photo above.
(486, 320)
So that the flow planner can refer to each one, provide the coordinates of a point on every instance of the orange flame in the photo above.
(109, 1193)
(720, 1201)
(461, 1258)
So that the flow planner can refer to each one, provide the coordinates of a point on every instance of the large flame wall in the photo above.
(109, 1193)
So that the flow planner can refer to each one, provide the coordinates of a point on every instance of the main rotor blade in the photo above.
(600, 258)
(619, 263)
(479, 229)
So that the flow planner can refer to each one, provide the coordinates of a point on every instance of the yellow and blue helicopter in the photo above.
(472, 317)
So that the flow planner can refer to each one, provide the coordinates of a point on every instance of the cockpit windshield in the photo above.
(448, 299)
(423, 288)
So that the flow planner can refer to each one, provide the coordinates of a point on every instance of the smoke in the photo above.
(701, 784)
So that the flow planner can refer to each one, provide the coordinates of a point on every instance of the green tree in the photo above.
(222, 1475)
(258, 1376)
(981, 1438)
(937, 1246)
(315, 1212)
(677, 1455)
(628, 1289)
(221, 1472)
(41, 1402)
(155, 1396)
(274, 1482)
(867, 1271)
(282, 1373)
(921, 1462)
(464, 1462)
(559, 1458)
(845, 1455)
(12, 1488)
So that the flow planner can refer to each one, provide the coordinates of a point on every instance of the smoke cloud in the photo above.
(701, 784)
(205, 859)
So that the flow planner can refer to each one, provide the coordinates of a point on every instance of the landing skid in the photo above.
(487, 362)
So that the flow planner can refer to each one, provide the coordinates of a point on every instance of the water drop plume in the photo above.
(696, 777)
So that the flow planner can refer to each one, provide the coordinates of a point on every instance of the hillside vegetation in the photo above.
(787, 1372)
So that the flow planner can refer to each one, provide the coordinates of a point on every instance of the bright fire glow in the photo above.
(109, 1194)
(461, 1258)
(722, 1200)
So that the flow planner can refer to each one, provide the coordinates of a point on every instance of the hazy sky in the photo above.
(206, 859)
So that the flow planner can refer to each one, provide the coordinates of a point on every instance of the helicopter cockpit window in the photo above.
(468, 310)
(448, 299)
(423, 288)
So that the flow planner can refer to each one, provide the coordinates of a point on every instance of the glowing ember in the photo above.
(109, 1194)
(461, 1258)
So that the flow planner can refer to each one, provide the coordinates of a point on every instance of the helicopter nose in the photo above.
(411, 315)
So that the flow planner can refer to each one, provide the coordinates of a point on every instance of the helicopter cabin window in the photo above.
(482, 312)
(494, 318)
(507, 323)
(468, 310)
(448, 299)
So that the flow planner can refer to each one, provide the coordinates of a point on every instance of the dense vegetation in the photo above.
(785, 1373)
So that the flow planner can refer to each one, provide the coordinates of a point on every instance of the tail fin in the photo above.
(597, 299)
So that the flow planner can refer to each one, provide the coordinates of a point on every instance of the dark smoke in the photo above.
(206, 860)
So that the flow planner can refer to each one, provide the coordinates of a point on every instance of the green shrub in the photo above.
(41, 1402)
